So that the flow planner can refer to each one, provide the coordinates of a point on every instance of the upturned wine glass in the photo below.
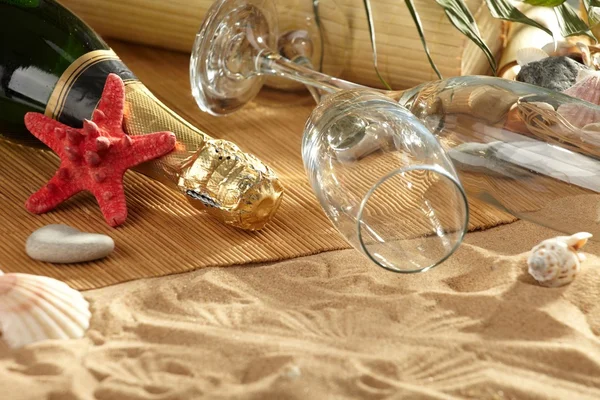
(395, 197)
(523, 149)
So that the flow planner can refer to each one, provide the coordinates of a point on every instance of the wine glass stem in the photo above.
(271, 63)
(305, 61)
(300, 70)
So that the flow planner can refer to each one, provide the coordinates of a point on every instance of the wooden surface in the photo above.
(173, 24)
(163, 234)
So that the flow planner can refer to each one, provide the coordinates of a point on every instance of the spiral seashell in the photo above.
(34, 308)
(555, 262)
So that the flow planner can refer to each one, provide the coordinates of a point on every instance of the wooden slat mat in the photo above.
(163, 234)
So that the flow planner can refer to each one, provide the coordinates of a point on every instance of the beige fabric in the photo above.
(163, 234)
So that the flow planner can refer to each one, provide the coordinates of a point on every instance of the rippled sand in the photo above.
(332, 326)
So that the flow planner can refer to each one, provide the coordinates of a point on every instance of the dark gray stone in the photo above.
(554, 73)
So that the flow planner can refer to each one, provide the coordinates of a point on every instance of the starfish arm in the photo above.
(151, 146)
(45, 129)
(112, 202)
(51, 195)
(111, 103)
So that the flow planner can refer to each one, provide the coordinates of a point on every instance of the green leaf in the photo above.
(462, 19)
(569, 22)
(503, 9)
(544, 3)
(415, 17)
(373, 45)
(592, 8)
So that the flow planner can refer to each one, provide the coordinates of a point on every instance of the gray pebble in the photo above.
(64, 244)
(554, 73)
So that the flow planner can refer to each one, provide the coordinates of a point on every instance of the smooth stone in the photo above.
(554, 73)
(64, 244)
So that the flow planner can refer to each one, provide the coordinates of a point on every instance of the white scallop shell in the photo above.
(528, 55)
(34, 308)
(555, 262)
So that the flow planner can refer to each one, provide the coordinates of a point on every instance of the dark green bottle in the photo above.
(53, 63)
(39, 41)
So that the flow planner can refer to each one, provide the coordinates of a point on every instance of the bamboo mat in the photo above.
(163, 234)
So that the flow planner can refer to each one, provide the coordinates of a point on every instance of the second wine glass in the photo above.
(395, 197)
(523, 149)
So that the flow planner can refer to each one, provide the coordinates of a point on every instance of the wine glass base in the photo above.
(222, 67)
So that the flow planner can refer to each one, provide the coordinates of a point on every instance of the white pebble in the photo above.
(64, 244)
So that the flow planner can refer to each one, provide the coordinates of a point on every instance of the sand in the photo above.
(332, 326)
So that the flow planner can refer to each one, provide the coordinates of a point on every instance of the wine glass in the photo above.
(523, 149)
(396, 198)
(384, 181)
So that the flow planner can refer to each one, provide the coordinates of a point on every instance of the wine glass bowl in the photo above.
(384, 181)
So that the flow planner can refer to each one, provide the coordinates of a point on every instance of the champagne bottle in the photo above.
(53, 63)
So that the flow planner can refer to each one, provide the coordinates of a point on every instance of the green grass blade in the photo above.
(503, 9)
(544, 3)
(569, 22)
(373, 44)
(462, 19)
(415, 17)
(592, 7)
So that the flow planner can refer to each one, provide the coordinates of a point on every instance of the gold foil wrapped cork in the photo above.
(233, 186)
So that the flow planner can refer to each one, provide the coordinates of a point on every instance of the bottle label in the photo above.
(78, 90)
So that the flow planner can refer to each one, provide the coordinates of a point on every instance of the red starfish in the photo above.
(95, 157)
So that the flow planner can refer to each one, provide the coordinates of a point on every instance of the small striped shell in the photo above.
(34, 308)
(555, 262)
